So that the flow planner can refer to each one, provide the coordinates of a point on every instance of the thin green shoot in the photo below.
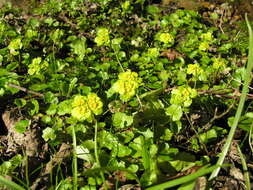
(245, 168)
(96, 153)
(74, 159)
(241, 103)
(27, 172)
(250, 138)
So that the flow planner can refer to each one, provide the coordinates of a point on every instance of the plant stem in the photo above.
(241, 104)
(74, 159)
(96, 153)
(245, 168)
(27, 172)
(95, 144)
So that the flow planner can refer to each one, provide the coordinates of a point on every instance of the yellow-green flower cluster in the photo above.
(183, 96)
(85, 107)
(102, 37)
(126, 85)
(14, 46)
(194, 69)
(166, 38)
(153, 52)
(219, 63)
(206, 39)
(203, 46)
(36, 66)
(207, 36)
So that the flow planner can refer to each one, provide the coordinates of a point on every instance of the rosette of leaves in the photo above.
(85, 107)
(126, 85)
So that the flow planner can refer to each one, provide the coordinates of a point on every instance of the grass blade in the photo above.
(10, 184)
(182, 180)
(245, 168)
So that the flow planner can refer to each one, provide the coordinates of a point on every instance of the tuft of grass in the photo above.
(241, 103)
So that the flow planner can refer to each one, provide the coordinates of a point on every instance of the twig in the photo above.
(25, 90)
(215, 117)
(196, 133)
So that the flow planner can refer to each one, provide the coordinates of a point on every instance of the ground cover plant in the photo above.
(103, 94)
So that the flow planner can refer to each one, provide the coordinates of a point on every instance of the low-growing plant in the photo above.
(137, 91)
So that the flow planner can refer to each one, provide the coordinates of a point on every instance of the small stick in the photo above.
(25, 90)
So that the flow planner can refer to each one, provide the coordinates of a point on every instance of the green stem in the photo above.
(245, 168)
(241, 104)
(74, 159)
(96, 154)
(26, 171)
(95, 145)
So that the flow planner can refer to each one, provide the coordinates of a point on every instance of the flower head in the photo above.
(102, 37)
(194, 69)
(126, 85)
(95, 104)
(166, 38)
(80, 108)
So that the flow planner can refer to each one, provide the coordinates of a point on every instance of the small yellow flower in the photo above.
(207, 36)
(128, 76)
(194, 69)
(95, 103)
(102, 37)
(126, 85)
(166, 38)
(80, 108)
(36, 66)
(153, 52)
(219, 63)
(203, 46)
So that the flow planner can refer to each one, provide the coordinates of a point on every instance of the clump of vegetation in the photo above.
(143, 95)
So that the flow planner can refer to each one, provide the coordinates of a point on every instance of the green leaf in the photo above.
(120, 150)
(20, 102)
(84, 154)
(50, 98)
(52, 109)
(72, 85)
(21, 126)
(79, 47)
(208, 136)
(35, 107)
(38, 87)
(121, 120)
(244, 122)
(46, 119)
(48, 134)
(175, 111)
(64, 107)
